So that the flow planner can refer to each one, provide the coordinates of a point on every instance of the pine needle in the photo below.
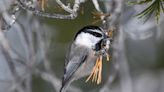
(96, 74)
(43, 4)
(107, 56)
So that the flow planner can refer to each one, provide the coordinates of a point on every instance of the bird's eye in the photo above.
(95, 33)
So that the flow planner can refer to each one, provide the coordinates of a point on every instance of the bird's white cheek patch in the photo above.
(87, 40)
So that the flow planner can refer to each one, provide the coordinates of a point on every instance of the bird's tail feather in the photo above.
(62, 89)
(65, 85)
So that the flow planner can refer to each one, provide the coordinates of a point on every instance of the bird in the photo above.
(80, 57)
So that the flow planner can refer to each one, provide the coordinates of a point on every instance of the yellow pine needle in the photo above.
(95, 75)
(42, 4)
(96, 21)
(92, 73)
(96, 72)
(99, 14)
(107, 56)
(100, 71)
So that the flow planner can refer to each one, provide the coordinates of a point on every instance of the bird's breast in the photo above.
(86, 68)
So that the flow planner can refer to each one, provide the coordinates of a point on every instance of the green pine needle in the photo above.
(140, 2)
(154, 8)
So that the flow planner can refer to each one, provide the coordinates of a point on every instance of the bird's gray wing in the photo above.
(76, 56)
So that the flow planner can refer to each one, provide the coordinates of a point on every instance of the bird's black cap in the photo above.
(86, 30)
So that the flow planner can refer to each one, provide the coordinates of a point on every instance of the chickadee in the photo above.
(81, 58)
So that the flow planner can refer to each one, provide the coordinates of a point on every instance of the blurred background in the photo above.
(33, 50)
